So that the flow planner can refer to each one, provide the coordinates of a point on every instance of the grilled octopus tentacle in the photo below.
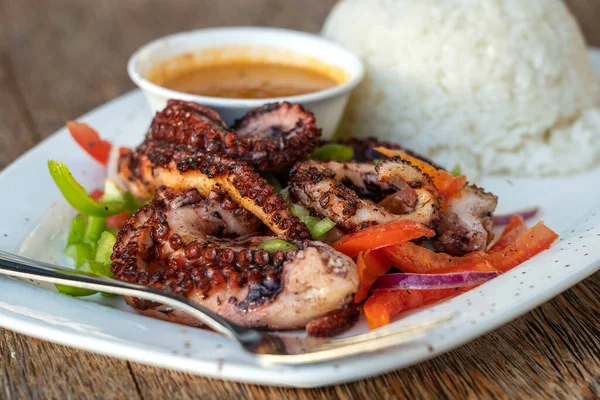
(271, 137)
(190, 124)
(396, 172)
(282, 133)
(155, 164)
(170, 244)
(327, 190)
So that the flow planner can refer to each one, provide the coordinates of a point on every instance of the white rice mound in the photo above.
(495, 86)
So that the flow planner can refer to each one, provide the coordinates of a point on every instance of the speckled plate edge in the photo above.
(111, 329)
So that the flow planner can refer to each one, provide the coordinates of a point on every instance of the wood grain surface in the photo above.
(59, 59)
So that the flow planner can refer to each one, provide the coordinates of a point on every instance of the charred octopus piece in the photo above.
(170, 244)
(281, 135)
(466, 223)
(332, 190)
(190, 124)
(270, 137)
(156, 164)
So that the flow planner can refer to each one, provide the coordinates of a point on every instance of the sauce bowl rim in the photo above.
(355, 72)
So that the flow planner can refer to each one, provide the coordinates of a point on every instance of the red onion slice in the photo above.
(503, 219)
(432, 281)
(112, 166)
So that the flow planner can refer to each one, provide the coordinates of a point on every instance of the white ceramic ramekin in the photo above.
(327, 105)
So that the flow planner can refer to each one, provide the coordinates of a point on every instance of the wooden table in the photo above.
(62, 58)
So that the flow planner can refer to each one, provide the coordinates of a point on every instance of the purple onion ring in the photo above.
(503, 219)
(432, 281)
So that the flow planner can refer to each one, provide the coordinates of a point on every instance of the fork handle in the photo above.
(20, 267)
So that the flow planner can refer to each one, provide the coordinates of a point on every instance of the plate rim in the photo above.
(160, 357)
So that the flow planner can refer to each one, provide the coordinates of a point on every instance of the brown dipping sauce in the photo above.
(244, 77)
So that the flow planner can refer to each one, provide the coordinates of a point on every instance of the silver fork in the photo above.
(268, 348)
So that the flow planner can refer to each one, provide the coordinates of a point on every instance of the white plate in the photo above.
(107, 326)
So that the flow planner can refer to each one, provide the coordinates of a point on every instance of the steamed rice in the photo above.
(495, 86)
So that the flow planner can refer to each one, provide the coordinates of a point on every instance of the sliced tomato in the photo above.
(117, 221)
(383, 305)
(515, 228)
(370, 265)
(379, 236)
(446, 184)
(96, 194)
(409, 257)
(90, 141)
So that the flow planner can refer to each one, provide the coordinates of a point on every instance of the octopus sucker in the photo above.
(165, 164)
(169, 244)
(269, 138)
(333, 190)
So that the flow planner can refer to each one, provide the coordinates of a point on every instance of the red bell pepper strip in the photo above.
(415, 259)
(370, 265)
(533, 241)
(409, 257)
(379, 236)
(383, 305)
(473, 266)
(515, 228)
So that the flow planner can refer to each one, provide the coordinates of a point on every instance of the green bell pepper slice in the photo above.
(78, 197)
(77, 231)
(74, 291)
(95, 227)
(96, 268)
(105, 248)
(317, 227)
(276, 245)
(456, 171)
(333, 152)
(299, 211)
(320, 227)
(101, 269)
(79, 252)
(131, 203)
